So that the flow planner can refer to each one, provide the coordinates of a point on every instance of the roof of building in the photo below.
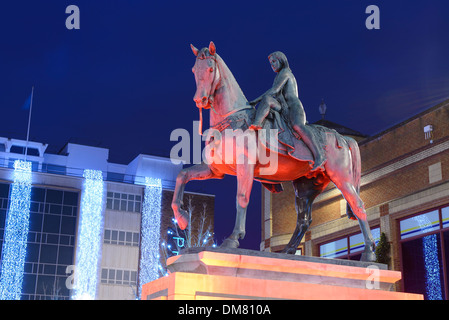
(340, 128)
(401, 123)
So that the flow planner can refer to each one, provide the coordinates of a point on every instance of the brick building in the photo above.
(405, 188)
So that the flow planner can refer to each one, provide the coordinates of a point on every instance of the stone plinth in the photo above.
(215, 273)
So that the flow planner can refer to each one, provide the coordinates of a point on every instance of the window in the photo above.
(21, 150)
(123, 202)
(416, 225)
(423, 267)
(4, 199)
(54, 168)
(424, 243)
(445, 217)
(334, 249)
(124, 238)
(51, 243)
(349, 247)
(34, 164)
(114, 176)
(118, 277)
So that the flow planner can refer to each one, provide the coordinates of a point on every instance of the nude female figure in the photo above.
(285, 89)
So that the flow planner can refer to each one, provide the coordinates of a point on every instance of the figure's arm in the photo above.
(256, 101)
(278, 84)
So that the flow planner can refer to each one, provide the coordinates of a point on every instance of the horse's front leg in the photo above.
(196, 172)
(245, 176)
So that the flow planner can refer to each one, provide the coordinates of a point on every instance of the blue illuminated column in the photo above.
(89, 236)
(16, 233)
(150, 232)
(432, 265)
(431, 260)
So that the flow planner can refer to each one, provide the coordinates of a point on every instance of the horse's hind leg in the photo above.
(196, 172)
(343, 168)
(306, 190)
(355, 202)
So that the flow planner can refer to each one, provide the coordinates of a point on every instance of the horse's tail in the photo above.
(356, 170)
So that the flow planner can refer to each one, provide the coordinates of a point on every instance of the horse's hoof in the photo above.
(181, 219)
(368, 256)
(289, 250)
(230, 243)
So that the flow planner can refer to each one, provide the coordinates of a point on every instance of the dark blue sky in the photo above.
(124, 81)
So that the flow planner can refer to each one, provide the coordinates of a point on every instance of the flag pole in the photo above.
(29, 122)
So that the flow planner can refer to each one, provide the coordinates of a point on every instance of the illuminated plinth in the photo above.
(214, 273)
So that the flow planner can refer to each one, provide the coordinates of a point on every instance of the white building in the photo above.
(57, 200)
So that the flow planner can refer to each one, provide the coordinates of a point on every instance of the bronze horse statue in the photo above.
(218, 91)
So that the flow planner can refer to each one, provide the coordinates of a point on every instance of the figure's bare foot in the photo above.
(318, 165)
(255, 127)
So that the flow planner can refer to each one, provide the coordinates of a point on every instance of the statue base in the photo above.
(220, 273)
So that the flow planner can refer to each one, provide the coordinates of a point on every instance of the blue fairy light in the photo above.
(16, 233)
(89, 236)
(150, 232)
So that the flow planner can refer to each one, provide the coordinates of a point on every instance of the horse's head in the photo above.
(207, 75)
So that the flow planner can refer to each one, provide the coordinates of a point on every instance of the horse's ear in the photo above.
(195, 50)
(212, 49)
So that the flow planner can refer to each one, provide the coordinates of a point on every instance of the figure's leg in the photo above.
(306, 190)
(312, 141)
(245, 176)
(263, 109)
(196, 172)
(308, 135)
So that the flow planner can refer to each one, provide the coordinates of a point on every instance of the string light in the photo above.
(432, 265)
(16, 233)
(89, 236)
(431, 261)
(150, 232)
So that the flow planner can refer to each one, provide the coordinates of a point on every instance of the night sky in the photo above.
(123, 80)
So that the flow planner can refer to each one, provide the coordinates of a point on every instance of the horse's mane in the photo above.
(225, 72)
(228, 76)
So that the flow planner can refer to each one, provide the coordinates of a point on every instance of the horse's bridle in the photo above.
(210, 98)
(214, 84)
(212, 93)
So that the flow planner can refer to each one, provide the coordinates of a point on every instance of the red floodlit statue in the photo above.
(269, 145)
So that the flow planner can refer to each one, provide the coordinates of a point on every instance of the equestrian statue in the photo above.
(310, 156)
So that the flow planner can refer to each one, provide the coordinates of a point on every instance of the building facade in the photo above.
(63, 197)
(405, 188)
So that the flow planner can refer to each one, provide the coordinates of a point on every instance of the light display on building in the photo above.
(150, 232)
(89, 236)
(176, 239)
(431, 260)
(16, 232)
(432, 266)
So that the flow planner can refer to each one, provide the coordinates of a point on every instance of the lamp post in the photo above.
(322, 108)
